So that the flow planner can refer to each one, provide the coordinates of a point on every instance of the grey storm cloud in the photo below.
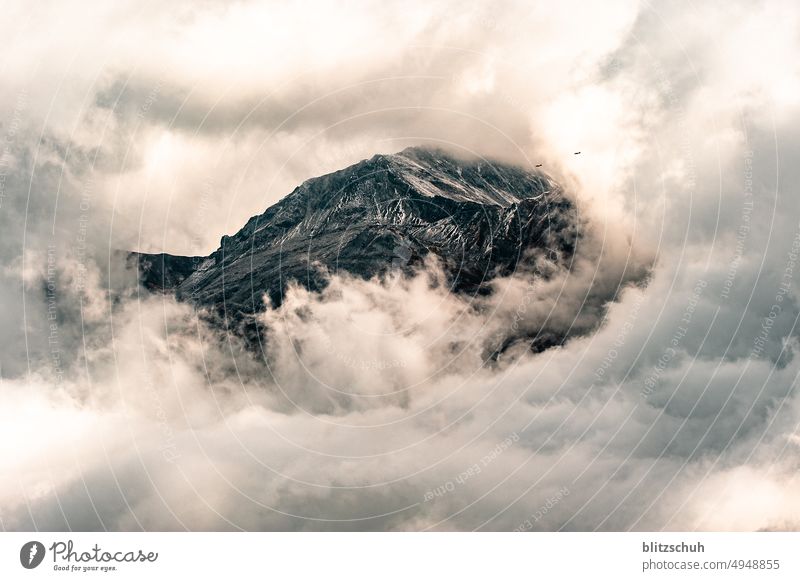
(672, 407)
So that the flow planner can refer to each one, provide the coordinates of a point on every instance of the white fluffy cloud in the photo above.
(165, 127)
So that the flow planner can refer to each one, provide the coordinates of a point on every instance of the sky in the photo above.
(162, 127)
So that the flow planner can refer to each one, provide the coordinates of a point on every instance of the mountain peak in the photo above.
(436, 172)
(480, 219)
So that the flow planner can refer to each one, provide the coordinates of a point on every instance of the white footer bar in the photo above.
(406, 556)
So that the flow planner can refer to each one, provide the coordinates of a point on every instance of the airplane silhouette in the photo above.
(577, 153)
(538, 165)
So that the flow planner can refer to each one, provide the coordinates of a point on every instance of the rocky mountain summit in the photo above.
(481, 219)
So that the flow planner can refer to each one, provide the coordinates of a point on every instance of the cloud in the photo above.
(378, 405)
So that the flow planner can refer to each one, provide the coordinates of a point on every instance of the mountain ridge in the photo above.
(480, 218)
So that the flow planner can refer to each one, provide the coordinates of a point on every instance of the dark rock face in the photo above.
(163, 271)
(481, 219)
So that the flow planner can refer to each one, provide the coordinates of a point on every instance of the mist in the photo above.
(380, 404)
